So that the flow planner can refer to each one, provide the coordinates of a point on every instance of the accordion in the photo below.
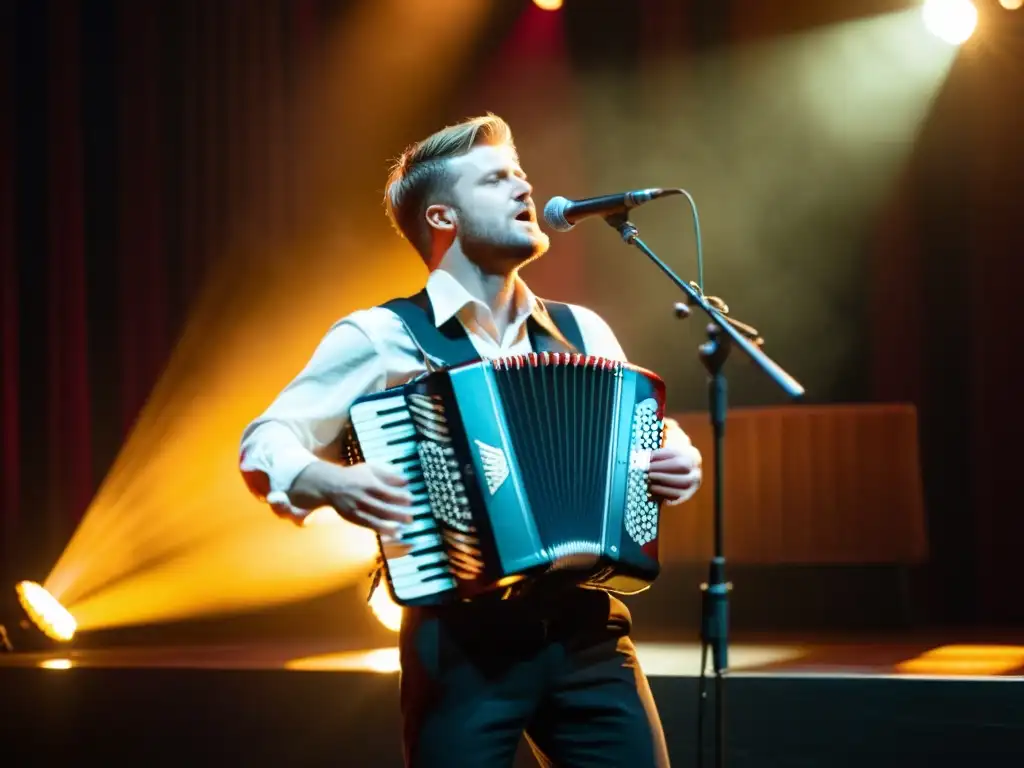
(520, 468)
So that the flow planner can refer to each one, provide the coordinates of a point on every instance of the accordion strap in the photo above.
(552, 328)
(448, 344)
(555, 323)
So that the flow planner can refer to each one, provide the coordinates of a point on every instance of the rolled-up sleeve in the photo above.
(303, 423)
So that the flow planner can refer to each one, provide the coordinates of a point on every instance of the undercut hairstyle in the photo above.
(420, 177)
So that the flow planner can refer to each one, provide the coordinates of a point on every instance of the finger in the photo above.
(389, 494)
(393, 546)
(672, 479)
(686, 461)
(386, 529)
(664, 452)
(665, 492)
(386, 474)
(389, 530)
(390, 536)
(384, 510)
(675, 464)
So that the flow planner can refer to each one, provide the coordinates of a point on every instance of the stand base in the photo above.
(714, 635)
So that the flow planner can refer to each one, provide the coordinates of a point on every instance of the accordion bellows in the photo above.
(521, 468)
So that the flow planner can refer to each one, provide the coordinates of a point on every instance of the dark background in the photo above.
(129, 140)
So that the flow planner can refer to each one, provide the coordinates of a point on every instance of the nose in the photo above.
(525, 192)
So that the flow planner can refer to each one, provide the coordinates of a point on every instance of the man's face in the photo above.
(496, 219)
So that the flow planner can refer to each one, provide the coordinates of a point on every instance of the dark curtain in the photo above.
(127, 141)
(129, 133)
(946, 277)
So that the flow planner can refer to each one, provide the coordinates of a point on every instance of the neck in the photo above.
(495, 290)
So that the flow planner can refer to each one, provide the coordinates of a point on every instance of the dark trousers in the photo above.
(562, 669)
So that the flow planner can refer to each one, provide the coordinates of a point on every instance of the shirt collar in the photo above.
(448, 297)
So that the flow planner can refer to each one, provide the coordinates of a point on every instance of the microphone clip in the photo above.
(620, 222)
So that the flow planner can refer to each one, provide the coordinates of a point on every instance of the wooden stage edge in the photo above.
(917, 699)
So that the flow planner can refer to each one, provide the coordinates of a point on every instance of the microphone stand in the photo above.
(723, 333)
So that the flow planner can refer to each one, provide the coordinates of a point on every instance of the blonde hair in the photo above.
(419, 178)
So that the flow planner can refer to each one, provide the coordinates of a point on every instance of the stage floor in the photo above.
(952, 655)
(923, 699)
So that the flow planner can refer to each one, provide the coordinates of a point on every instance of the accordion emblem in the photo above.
(522, 468)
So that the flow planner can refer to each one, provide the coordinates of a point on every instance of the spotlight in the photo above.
(42, 622)
(52, 618)
(548, 5)
(951, 20)
(1011, 5)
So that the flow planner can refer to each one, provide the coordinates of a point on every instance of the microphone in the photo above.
(561, 214)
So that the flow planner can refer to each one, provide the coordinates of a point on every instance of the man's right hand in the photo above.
(368, 495)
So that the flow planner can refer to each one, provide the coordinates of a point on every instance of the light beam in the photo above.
(172, 533)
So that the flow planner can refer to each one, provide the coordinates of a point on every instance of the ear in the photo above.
(441, 217)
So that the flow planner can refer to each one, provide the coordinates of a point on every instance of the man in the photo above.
(559, 664)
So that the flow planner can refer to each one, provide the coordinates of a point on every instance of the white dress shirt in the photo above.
(370, 350)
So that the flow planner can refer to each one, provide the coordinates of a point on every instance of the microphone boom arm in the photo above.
(736, 331)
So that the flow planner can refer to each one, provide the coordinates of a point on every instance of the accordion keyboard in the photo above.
(418, 566)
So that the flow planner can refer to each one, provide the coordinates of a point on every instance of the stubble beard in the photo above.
(502, 250)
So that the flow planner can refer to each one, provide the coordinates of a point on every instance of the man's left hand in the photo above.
(675, 470)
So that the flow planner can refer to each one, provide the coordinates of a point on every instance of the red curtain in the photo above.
(67, 423)
(126, 130)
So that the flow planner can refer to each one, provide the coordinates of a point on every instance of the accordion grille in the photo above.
(562, 411)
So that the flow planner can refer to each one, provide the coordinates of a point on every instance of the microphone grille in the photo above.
(554, 214)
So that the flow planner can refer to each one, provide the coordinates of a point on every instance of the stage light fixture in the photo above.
(953, 21)
(32, 619)
(548, 5)
(46, 612)
(1011, 5)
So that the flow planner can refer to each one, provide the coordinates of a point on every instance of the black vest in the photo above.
(551, 327)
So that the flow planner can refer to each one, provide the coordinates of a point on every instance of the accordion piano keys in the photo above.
(417, 563)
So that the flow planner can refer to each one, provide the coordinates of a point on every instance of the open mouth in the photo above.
(525, 216)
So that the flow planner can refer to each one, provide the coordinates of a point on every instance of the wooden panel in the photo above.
(811, 484)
